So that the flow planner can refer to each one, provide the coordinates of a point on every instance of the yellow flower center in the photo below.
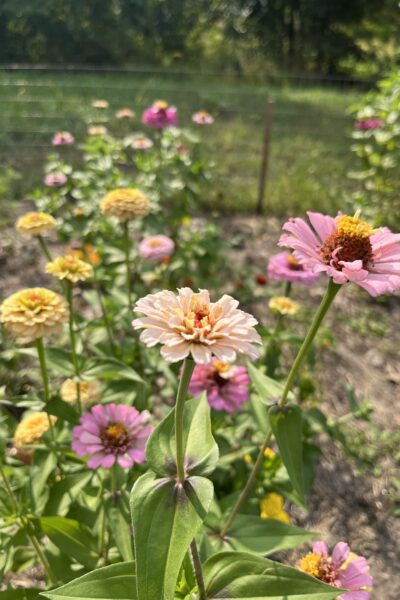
(220, 366)
(114, 436)
(350, 242)
(293, 263)
(154, 243)
(312, 564)
(33, 300)
(353, 227)
(160, 105)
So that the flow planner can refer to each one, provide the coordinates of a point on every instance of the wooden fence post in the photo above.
(264, 157)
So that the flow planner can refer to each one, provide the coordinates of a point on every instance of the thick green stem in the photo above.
(327, 300)
(104, 313)
(288, 289)
(198, 571)
(44, 247)
(68, 290)
(45, 379)
(187, 370)
(127, 248)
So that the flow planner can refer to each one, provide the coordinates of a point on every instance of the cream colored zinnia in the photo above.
(89, 392)
(283, 305)
(35, 223)
(30, 430)
(190, 324)
(125, 203)
(70, 267)
(33, 313)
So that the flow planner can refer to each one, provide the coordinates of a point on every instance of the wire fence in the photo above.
(306, 117)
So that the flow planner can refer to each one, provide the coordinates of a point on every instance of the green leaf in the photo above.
(30, 594)
(111, 368)
(240, 576)
(60, 361)
(166, 516)
(287, 426)
(62, 410)
(63, 493)
(268, 389)
(119, 518)
(115, 582)
(73, 538)
(45, 463)
(265, 536)
(201, 451)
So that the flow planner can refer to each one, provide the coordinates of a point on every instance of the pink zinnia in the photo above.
(284, 267)
(365, 124)
(342, 569)
(63, 138)
(347, 249)
(55, 179)
(190, 324)
(112, 432)
(227, 386)
(156, 247)
(202, 117)
(160, 115)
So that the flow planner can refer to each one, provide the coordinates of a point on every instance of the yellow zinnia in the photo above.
(89, 391)
(283, 305)
(33, 313)
(272, 508)
(30, 430)
(125, 204)
(69, 267)
(35, 223)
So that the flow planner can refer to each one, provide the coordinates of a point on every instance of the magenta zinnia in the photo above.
(284, 267)
(227, 386)
(346, 249)
(190, 324)
(110, 433)
(160, 115)
(342, 569)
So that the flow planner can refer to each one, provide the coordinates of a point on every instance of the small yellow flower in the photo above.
(283, 305)
(33, 313)
(88, 253)
(90, 392)
(69, 267)
(125, 203)
(35, 223)
(100, 104)
(30, 430)
(269, 453)
(97, 130)
(272, 508)
(247, 458)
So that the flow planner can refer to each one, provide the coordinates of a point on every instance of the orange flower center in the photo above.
(160, 105)
(293, 263)
(154, 243)
(320, 567)
(114, 436)
(350, 242)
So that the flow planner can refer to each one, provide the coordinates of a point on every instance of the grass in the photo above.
(310, 145)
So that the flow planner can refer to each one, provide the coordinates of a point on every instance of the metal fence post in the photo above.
(264, 157)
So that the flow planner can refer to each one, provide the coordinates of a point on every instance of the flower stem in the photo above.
(287, 289)
(127, 247)
(104, 313)
(45, 379)
(187, 370)
(326, 301)
(198, 571)
(68, 290)
(44, 247)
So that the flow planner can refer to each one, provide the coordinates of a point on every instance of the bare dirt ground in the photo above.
(344, 505)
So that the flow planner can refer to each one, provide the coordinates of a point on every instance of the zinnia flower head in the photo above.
(30, 430)
(283, 305)
(33, 313)
(110, 433)
(142, 143)
(125, 113)
(188, 323)
(227, 386)
(100, 104)
(88, 253)
(69, 267)
(341, 569)
(346, 249)
(160, 115)
(202, 117)
(271, 507)
(63, 138)
(89, 392)
(35, 223)
(156, 247)
(125, 204)
(366, 124)
(55, 179)
(97, 130)
(285, 267)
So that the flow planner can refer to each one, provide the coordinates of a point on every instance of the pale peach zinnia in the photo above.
(188, 323)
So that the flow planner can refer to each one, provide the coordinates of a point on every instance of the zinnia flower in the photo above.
(189, 324)
(141, 143)
(112, 432)
(55, 179)
(283, 305)
(227, 386)
(87, 253)
(89, 392)
(69, 267)
(156, 247)
(100, 104)
(35, 223)
(347, 249)
(30, 430)
(125, 203)
(125, 113)
(284, 267)
(342, 569)
(366, 124)
(63, 138)
(271, 507)
(33, 313)
(160, 115)
(97, 130)
(202, 117)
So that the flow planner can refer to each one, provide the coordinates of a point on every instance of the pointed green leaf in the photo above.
(268, 389)
(73, 538)
(166, 516)
(287, 426)
(115, 582)
(201, 451)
